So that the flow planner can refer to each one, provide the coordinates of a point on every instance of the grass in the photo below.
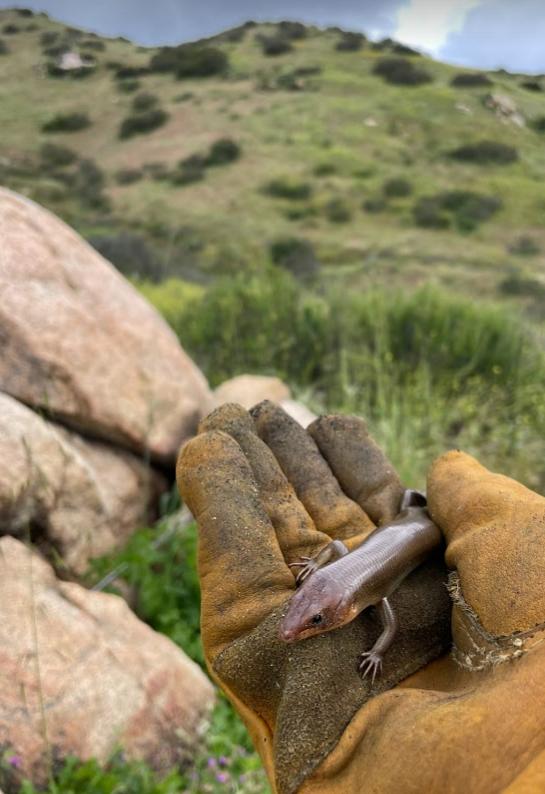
(286, 132)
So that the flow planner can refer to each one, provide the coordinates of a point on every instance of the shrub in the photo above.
(465, 208)
(157, 171)
(350, 42)
(67, 122)
(55, 156)
(374, 204)
(400, 71)
(128, 86)
(49, 37)
(142, 123)
(131, 255)
(127, 176)
(190, 60)
(144, 101)
(4, 49)
(538, 124)
(93, 44)
(532, 85)
(397, 187)
(524, 246)
(485, 152)
(295, 255)
(402, 49)
(24, 12)
(274, 45)
(324, 169)
(89, 185)
(223, 151)
(130, 72)
(518, 284)
(191, 169)
(469, 79)
(11, 29)
(288, 188)
(292, 30)
(338, 211)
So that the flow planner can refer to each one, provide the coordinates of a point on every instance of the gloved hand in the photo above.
(265, 492)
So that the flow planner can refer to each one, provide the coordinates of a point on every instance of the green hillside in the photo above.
(326, 151)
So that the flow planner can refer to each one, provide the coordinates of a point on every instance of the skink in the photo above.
(336, 585)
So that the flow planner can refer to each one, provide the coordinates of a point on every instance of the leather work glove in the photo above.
(265, 492)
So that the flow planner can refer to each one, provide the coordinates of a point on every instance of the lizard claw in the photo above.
(308, 566)
(371, 662)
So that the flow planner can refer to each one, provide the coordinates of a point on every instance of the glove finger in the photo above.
(495, 530)
(294, 528)
(362, 469)
(332, 511)
(242, 570)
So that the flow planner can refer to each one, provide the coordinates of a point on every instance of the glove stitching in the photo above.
(493, 650)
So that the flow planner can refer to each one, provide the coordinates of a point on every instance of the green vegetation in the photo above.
(485, 153)
(54, 155)
(67, 122)
(142, 122)
(223, 151)
(400, 71)
(350, 42)
(288, 188)
(274, 45)
(470, 79)
(190, 60)
(397, 187)
(465, 209)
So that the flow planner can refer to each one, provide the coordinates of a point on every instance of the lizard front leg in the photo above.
(371, 661)
(333, 551)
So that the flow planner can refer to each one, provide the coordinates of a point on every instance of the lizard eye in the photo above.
(316, 620)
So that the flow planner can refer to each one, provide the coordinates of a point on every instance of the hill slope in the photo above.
(319, 124)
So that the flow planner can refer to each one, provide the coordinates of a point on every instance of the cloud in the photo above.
(500, 33)
(173, 21)
(426, 24)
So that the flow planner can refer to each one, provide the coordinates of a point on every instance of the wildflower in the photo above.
(222, 777)
(223, 760)
(211, 763)
(15, 761)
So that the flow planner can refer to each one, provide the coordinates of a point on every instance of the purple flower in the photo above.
(211, 763)
(15, 760)
(223, 760)
(222, 777)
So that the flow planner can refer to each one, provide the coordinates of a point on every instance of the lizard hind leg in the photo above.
(333, 551)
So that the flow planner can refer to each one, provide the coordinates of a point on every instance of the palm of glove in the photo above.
(266, 492)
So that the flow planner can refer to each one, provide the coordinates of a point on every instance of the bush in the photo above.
(470, 79)
(142, 123)
(397, 187)
(128, 86)
(485, 152)
(324, 169)
(287, 188)
(89, 185)
(190, 60)
(350, 42)
(338, 211)
(11, 29)
(538, 124)
(144, 101)
(93, 44)
(520, 285)
(55, 156)
(295, 255)
(465, 208)
(127, 176)
(49, 37)
(67, 122)
(292, 30)
(402, 49)
(191, 169)
(130, 72)
(524, 246)
(532, 85)
(374, 204)
(4, 49)
(274, 45)
(223, 151)
(157, 171)
(131, 255)
(24, 12)
(400, 71)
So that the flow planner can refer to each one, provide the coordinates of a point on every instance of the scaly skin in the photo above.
(337, 585)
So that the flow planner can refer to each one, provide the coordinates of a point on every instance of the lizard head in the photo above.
(319, 605)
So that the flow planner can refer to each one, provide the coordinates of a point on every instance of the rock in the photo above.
(505, 108)
(248, 390)
(81, 666)
(82, 498)
(79, 342)
(299, 412)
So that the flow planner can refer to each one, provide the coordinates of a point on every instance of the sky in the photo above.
(479, 33)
